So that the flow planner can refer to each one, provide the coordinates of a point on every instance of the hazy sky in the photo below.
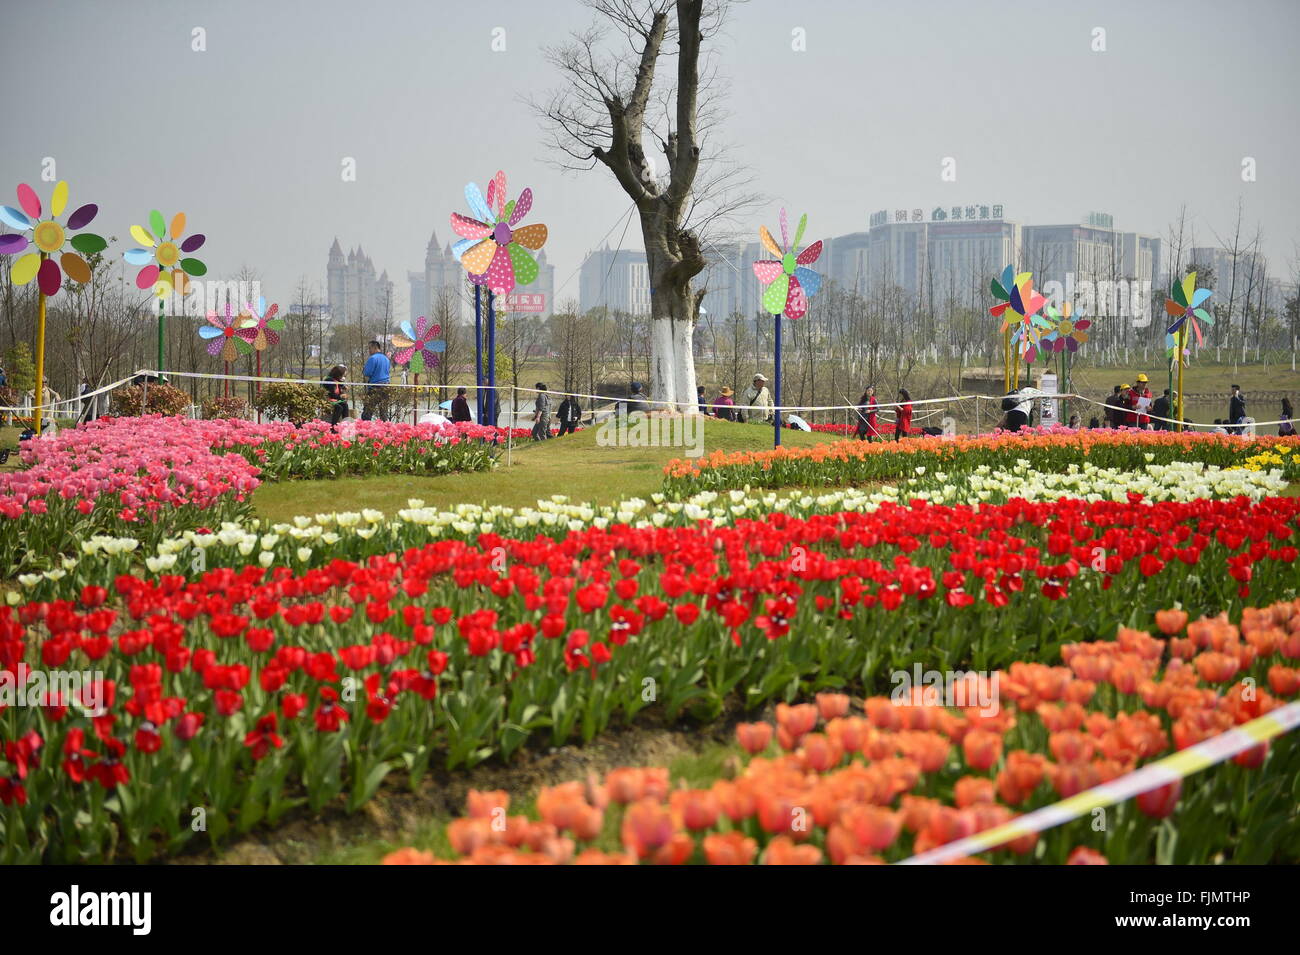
(247, 138)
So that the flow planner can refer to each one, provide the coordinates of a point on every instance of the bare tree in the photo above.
(603, 113)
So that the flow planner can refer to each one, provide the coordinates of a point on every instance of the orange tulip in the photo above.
(982, 749)
(831, 705)
(1070, 747)
(1284, 681)
(735, 799)
(872, 827)
(596, 857)
(753, 737)
(1171, 622)
(647, 826)
(1085, 856)
(1216, 667)
(796, 720)
(784, 851)
(409, 856)
(697, 808)
(480, 804)
(729, 848)
(467, 834)
(819, 752)
(1160, 802)
(971, 790)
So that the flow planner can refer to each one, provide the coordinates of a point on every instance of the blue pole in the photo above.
(776, 418)
(492, 360)
(478, 353)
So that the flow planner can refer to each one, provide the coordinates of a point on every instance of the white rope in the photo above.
(66, 401)
(1025, 394)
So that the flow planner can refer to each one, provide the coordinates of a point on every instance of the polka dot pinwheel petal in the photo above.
(222, 334)
(790, 283)
(48, 263)
(492, 250)
(261, 329)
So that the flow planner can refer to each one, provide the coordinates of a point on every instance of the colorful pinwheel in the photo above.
(1065, 335)
(1018, 308)
(160, 253)
(790, 283)
(223, 332)
(419, 347)
(261, 328)
(1171, 351)
(492, 250)
(1184, 305)
(48, 237)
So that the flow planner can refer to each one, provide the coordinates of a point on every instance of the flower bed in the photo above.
(153, 477)
(857, 462)
(247, 693)
(907, 773)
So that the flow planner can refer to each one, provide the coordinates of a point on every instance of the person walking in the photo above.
(1236, 409)
(758, 401)
(337, 393)
(868, 427)
(724, 406)
(569, 413)
(903, 419)
(1287, 427)
(377, 373)
(541, 413)
(460, 407)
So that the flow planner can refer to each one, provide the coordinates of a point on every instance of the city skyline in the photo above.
(259, 126)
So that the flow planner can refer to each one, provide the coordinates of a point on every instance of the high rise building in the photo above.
(354, 291)
(616, 278)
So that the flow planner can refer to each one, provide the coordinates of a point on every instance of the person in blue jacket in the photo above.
(377, 372)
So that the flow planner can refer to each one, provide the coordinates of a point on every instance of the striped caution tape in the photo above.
(1161, 773)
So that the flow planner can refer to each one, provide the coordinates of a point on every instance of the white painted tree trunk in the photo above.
(684, 365)
(662, 384)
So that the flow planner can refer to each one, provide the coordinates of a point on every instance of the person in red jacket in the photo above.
(868, 428)
(1135, 418)
(903, 421)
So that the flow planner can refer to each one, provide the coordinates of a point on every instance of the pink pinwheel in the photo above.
(223, 331)
(492, 250)
(419, 346)
(261, 328)
(790, 283)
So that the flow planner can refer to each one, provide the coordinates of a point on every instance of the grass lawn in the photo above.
(574, 465)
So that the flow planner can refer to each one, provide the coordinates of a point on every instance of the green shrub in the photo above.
(292, 402)
(163, 399)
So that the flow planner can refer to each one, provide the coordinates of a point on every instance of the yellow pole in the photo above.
(1182, 344)
(1006, 360)
(40, 355)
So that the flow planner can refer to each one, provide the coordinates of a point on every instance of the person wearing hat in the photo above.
(724, 406)
(759, 401)
(1135, 417)
(636, 401)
